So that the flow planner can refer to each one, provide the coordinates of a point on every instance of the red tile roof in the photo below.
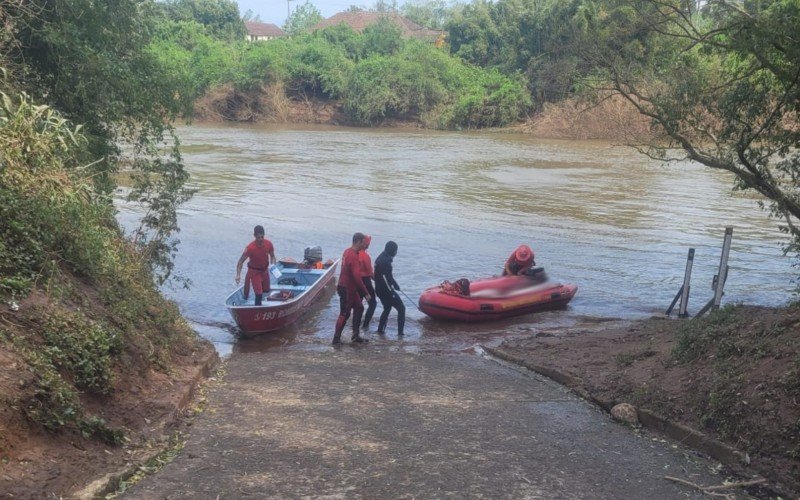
(262, 29)
(360, 20)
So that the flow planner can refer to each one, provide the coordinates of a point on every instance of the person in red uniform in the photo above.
(259, 253)
(351, 289)
(366, 276)
(520, 262)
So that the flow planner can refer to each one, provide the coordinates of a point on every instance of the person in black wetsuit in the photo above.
(385, 287)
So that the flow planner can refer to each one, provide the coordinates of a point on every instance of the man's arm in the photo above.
(356, 275)
(239, 267)
(390, 275)
(507, 267)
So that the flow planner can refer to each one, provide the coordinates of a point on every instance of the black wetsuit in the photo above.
(385, 287)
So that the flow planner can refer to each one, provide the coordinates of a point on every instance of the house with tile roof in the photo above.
(257, 31)
(360, 20)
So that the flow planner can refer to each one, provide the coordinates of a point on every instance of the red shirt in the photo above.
(350, 276)
(365, 262)
(259, 255)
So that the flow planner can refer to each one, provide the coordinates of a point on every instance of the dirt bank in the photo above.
(37, 463)
(146, 399)
(612, 118)
(733, 376)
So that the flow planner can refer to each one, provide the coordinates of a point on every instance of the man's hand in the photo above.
(238, 279)
(397, 287)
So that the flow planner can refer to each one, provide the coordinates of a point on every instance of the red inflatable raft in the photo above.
(494, 298)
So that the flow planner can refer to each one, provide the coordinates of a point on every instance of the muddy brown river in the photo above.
(598, 215)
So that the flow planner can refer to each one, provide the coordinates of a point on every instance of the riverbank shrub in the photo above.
(193, 59)
(92, 63)
(317, 69)
(376, 75)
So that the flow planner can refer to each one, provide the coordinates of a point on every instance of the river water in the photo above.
(598, 215)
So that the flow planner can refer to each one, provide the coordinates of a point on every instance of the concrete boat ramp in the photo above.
(374, 421)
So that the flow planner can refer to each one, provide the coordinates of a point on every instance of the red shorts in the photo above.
(259, 279)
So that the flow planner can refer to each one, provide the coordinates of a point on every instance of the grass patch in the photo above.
(624, 359)
(83, 348)
(725, 412)
(696, 337)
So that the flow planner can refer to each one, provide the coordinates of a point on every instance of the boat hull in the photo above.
(496, 298)
(275, 315)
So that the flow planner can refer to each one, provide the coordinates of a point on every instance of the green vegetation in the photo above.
(724, 348)
(697, 337)
(58, 235)
(90, 63)
(302, 18)
(624, 359)
(376, 75)
(80, 311)
(219, 17)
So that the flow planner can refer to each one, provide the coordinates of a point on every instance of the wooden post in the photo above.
(686, 279)
(722, 274)
(683, 292)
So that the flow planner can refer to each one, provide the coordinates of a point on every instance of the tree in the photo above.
(343, 36)
(249, 15)
(384, 6)
(432, 14)
(383, 37)
(220, 16)
(90, 61)
(473, 34)
(302, 18)
(724, 87)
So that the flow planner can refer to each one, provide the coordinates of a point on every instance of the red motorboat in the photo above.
(294, 286)
(495, 298)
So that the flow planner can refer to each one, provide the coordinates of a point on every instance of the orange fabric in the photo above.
(365, 262)
(350, 276)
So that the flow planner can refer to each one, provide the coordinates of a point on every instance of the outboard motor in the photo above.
(312, 257)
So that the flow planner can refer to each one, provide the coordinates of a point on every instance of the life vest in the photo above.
(458, 287)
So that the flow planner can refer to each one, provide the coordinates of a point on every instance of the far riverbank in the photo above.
(611, 119)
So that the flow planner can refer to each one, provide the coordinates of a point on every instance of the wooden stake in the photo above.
(722, 274)
(686, 279)
(683, 293)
